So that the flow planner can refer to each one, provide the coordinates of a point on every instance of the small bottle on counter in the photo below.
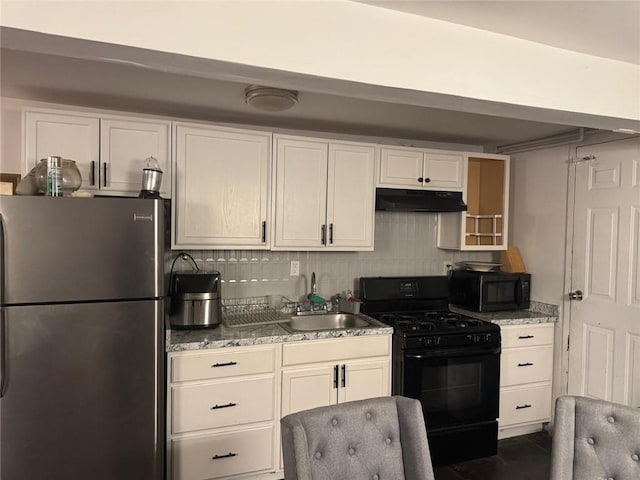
(54, 176)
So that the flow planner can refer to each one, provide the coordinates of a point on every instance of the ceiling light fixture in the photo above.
(270, 99)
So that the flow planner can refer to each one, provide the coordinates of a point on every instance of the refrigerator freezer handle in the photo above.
(3, 336)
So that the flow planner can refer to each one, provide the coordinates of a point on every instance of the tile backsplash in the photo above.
(405, 244)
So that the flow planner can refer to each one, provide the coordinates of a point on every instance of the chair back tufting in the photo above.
(375, 439)
(595, 440)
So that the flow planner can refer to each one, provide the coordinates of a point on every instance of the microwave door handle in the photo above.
(519, 291)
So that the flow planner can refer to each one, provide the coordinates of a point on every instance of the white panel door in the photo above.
(443, 170)
(124, 146)
(364, 379)
(604, 354)
(221, 187)
(350, 195)
(75, 137)
(308, 387)
(401, 167)
(301, 193)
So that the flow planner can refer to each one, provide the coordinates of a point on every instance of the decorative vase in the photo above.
(71, 178)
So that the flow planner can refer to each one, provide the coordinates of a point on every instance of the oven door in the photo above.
(455, 386)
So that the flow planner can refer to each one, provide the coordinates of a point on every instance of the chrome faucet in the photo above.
(314, 287)
(315, 303)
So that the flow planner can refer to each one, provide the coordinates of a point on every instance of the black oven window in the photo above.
(455, 391)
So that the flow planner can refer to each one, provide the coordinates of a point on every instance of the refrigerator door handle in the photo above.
(3, 354)
(3, 350)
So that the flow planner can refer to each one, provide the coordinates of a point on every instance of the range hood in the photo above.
(401, 200)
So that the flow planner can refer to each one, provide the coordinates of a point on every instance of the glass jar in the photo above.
(71, 178)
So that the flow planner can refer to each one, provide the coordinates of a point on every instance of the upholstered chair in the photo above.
(375, 439)
(595, 440)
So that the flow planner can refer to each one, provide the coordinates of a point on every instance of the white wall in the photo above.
(352, 42)
(538, 218)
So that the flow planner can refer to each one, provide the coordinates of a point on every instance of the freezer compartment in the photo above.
(81, 249)
(84, 392)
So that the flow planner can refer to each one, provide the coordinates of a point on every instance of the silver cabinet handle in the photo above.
(92, 173)
(104, 170)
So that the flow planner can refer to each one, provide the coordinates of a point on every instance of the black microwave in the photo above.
(490, 291)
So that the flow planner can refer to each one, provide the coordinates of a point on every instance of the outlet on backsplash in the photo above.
(295, 268)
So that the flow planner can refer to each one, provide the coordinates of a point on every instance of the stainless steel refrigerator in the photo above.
(82, 345)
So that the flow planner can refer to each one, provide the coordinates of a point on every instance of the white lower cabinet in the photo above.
(324, 372)
(526, 372)
(222, 413)
(224, 405)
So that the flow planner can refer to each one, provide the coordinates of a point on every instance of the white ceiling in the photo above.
(605, 28)
(34, 74)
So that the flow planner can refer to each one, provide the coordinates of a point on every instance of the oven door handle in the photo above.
(457, 352)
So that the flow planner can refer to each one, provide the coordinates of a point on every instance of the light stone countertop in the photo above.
(178, 340)
(538, 312)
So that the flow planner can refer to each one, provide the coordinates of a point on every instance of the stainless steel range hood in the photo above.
(400, 200)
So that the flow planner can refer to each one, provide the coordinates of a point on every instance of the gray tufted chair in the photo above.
(595, 440)
(381, 438)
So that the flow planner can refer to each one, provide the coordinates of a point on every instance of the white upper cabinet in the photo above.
(124, 146)
(221, 187)
(416, 168)
(324, 194)
(484, 226)
(108, 150)
(66, 135)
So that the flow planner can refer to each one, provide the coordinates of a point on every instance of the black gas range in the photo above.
(448, 361)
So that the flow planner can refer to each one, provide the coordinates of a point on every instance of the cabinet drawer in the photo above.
(213, 405)
(527, 335)
(222, 364)
(523, 405)
(335, 350)
(526, 365)
(227, 454)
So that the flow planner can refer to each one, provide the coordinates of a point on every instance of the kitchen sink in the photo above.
(326, 321)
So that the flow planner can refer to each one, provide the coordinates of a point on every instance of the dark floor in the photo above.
(522, 458)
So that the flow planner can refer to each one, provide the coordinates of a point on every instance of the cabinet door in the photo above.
(365, 379)
(221, 195)
(124, 146)
(308, 387)
(69, 136)
(443, 170)
(301, 196)
(350, 196)
(401, 167)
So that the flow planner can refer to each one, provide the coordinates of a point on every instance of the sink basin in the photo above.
(327, 321)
